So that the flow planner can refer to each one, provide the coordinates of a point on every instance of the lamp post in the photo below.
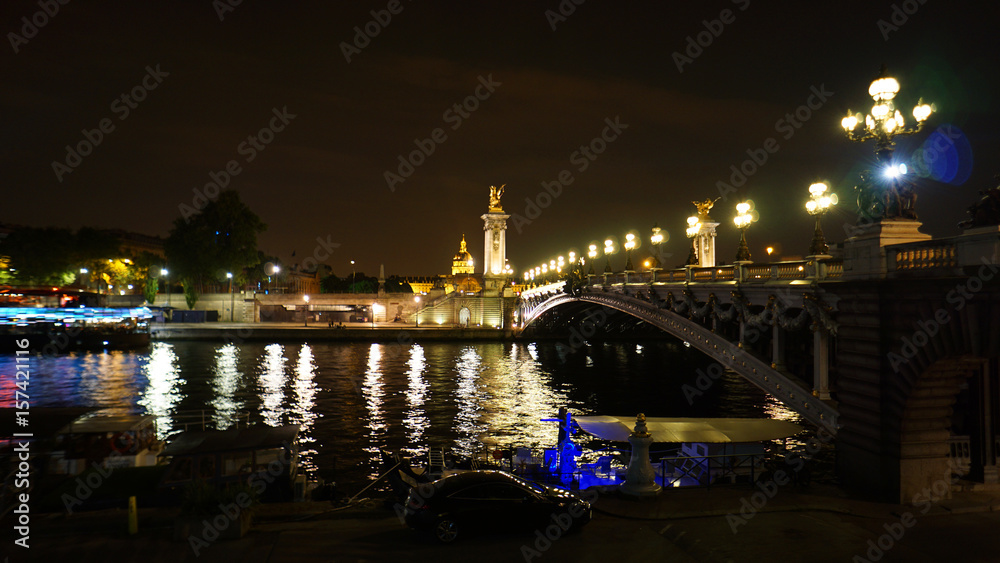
(274, 271)
(629, 245)
(373, 315)
(895, 199)
(354, 278)
(165, 273)
(743, 220)
(819, 203)
(592, 254)
(305, 310)
(656, 238)
(693, 228)
(416, 313)
(232, 298)
(86, 282)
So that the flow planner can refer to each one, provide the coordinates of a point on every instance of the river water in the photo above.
(350, 399)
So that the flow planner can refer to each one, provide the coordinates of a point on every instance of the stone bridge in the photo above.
(901, 335)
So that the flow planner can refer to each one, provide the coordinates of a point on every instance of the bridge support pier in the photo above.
(821, 364)
(778, 348)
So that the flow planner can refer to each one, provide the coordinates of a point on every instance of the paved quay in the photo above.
(815, 524)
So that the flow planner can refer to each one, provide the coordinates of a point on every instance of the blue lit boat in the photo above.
(69, 325)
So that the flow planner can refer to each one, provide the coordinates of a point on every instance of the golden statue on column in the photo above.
(495, 194)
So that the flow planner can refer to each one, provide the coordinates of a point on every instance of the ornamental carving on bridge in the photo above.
(986, 211)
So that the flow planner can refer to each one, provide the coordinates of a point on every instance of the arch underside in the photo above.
(729, 354)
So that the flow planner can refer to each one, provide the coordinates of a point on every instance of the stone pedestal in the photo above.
(706, 244)
(864, 253)
(495, 239)
(640, 479)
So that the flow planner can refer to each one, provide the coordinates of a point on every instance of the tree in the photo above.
(221, 238)
(190, 293)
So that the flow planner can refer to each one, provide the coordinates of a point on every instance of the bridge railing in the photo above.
(792, 270)
(935, 253)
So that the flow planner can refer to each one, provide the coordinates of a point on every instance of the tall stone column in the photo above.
(495, 252)
(705, 242)
(640, 479)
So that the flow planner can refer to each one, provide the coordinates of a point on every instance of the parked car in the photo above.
(491, 500)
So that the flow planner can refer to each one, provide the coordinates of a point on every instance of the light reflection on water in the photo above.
(416, 420)
(350, 399)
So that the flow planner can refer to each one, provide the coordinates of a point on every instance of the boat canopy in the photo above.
(249, 438)
(680, 430)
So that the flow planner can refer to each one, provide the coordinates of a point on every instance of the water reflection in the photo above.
(467, 424)
(303, 410)
(373, 393)
(225, 381)
(352, 398)
(415, 419)
(163, 386)
(272, 382)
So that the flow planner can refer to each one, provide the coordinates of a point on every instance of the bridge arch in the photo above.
(729, 354)
(899, 390)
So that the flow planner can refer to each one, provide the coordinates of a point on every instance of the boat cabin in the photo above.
(264, 457)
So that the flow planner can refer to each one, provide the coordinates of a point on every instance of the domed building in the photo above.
(462, 263)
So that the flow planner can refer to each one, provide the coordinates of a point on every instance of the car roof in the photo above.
(468, 478)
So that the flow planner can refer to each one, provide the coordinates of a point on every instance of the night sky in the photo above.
(210, 84)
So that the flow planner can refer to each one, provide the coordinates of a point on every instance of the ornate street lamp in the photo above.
(609, 249)
(883, 124)
(592, 254)
(819, 203)
(656, 238)
(305, 310)
(693, 228)
(629, 245)
(743, 220)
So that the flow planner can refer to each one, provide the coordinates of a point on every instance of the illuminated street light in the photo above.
(354, 278)
(629, 245)
(656, 238)
(232, 297)
(305, 310)
(609, 249)
(745, 216)
(416, 301)
(819, 203)
(895, 198)
(693, 228)
(592, 254)
(165, 273)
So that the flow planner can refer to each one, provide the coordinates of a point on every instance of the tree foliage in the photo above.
(221, 238)
(48, 255)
